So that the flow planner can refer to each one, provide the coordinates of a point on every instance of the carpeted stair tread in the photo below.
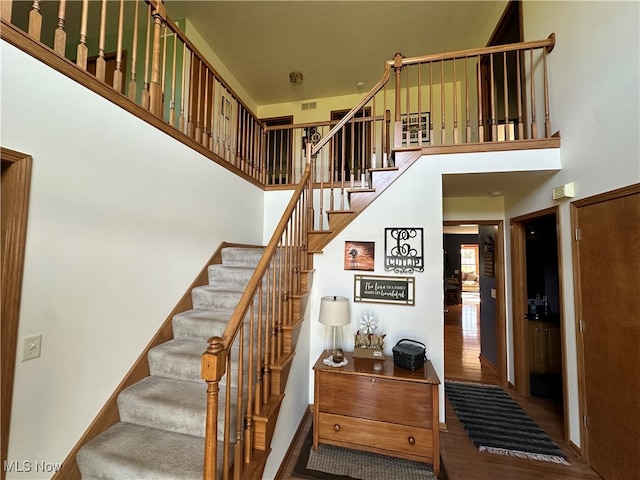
(163, 416)
(242, 256)
(177, 359)
(133, 451)
(221, 274)
(181, 359)
(200, 324)
(219, 297)
(165, 403)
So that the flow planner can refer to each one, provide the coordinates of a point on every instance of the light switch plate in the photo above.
(31, 347)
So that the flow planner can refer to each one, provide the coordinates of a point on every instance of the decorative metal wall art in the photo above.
(403, 250)
(488, 259)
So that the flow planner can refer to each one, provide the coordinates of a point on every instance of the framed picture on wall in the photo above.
(359, 255)
(381, 289)
(415, 128)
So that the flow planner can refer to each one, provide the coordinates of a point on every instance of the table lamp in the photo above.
(334, 312)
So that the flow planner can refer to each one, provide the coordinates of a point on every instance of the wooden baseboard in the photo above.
(575, 449)
(109, 414)
(486, 363)
(297, 438)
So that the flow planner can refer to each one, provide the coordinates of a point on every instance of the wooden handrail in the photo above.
(450, 104)
(376, 88)
(237, 143)
(270, 249)
(547, 44)
(275, 272)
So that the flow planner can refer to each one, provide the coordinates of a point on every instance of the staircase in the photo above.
(360, 198)
(161, 430)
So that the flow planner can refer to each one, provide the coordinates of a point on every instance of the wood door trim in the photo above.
(577, 288)
(16, 182)
(519, 296)
(501, 318)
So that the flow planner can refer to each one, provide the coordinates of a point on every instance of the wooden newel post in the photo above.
(213, 367)
(155, 88)
(397, 126)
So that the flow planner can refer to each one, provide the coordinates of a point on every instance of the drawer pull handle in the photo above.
(336, 428)
(412, 441)
(373, 380)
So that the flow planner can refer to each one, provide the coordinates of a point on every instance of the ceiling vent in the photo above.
(309, 106)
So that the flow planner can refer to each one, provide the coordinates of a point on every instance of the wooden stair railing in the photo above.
(144, 60)
(449, 102)
(264, 329)
(454, 102)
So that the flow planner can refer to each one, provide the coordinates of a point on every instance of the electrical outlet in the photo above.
(31, 347)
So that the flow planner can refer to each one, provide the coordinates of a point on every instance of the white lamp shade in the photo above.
(334, 311)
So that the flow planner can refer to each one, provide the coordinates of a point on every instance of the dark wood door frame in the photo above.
(519, 302)
(16, 181)
(501, 322)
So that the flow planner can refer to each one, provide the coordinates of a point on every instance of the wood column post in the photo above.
(155, 88)
(397, 127)
(212, 369)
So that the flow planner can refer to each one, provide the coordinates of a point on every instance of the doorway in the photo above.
(538, 311)
(475, 345)
(279, 149)
(351, 146)
(500, 118)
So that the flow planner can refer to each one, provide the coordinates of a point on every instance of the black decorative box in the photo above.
(409, 354)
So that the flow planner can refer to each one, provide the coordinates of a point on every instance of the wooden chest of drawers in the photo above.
(373, 405)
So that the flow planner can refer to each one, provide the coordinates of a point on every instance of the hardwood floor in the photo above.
(461, 459)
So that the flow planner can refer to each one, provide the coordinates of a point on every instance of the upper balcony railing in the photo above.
(484, 99)
(143, 56)
(492, 98)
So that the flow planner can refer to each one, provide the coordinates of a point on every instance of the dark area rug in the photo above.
(495, 423)
(335, 463)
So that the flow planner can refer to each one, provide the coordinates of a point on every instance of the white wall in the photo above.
(414, 200)
(594, 82)
(121, 220)
(594, 102)
(593, 78)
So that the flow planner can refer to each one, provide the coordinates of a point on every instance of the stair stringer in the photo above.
(108, 415)
(359, 200)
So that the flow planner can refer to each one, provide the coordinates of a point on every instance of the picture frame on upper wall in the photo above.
(415, 128)
(359, 255)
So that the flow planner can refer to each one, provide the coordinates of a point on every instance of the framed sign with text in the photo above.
(381, 289)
